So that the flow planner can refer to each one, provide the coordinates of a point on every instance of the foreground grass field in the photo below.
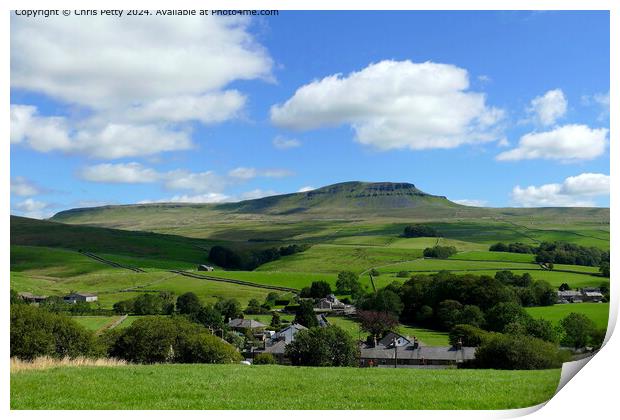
(277, 387)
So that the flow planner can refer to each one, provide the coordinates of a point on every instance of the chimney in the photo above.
(459, 344)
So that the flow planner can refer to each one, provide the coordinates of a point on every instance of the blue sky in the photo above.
(487, 108)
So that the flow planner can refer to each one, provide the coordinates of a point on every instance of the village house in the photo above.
(30, 298)
(277, 345)
(257, 328)
(203, 267)
(80, 297)
(587, 294)
(331, 303)
(410, 356)
(396, 350)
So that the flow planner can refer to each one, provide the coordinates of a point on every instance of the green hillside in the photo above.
(40, 233)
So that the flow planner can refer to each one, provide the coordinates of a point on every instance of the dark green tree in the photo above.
(579, 330)
(229, 308)
(347, 282)
(330, 346)
(276, 321)
(502, 314)
(305, 314)
(188, 304)
(320, 289)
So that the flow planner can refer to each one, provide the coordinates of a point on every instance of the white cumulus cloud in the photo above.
(120, 173)
(198, 182)
(566, 143)
(306, 189)
(33, 208)
(548, 108)
(110, 141)
(139, 80)
(395, 105)
(23, 187)
(106, 63)
(574, 191)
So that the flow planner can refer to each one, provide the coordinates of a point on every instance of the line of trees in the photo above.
(516, 247)
(438, 251)
(232, 259)
(559, 252)
(419, 231)
(443, 300)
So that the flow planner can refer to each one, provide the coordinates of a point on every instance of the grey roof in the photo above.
(593, 294)
(277, 347)
(83, 294)
(297, 327)
(568, 293)
(422, 352)
(245, 323)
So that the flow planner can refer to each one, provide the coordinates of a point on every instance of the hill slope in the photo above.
(42, 233)
(322, 212)
(343, 200)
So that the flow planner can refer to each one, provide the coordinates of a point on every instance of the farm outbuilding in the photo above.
(80, 297)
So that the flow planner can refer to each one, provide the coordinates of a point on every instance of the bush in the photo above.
(160, 340)
(36, 332)
(264, 359)
(505, 351)
(374, 272)
(469, 335)
(206, 348)
(403, 274)
(442, 252)
(578, 330)
(418, 231)
(329, 346)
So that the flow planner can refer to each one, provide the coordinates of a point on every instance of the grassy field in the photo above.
(95, 323)
(597, 312)
(493, 256)
(278, 278)
(334, 258)
(281, 387)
